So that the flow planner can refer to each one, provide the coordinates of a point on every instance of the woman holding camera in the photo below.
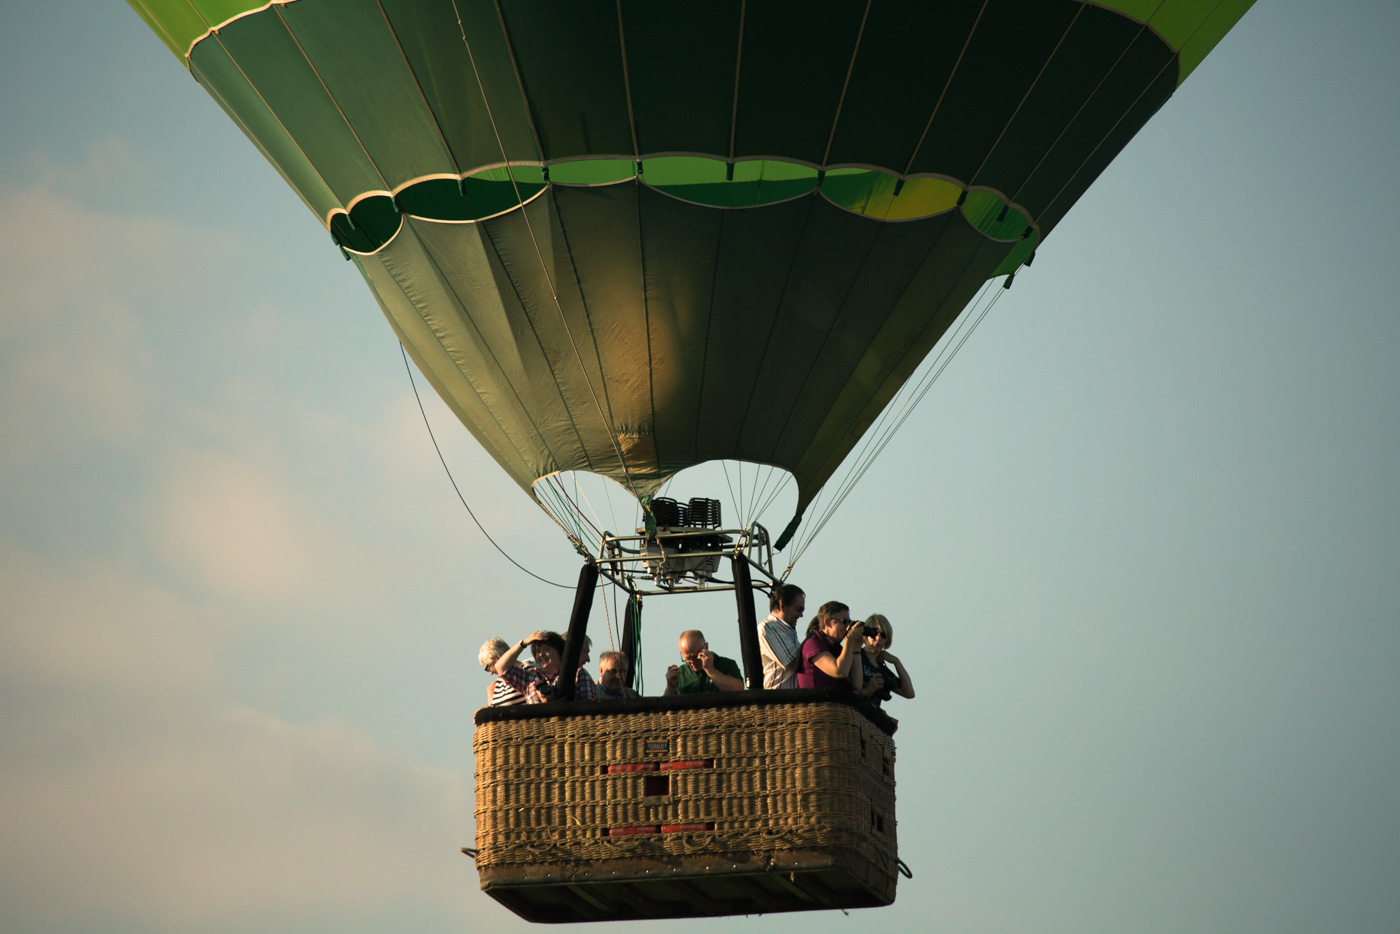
(829, 656)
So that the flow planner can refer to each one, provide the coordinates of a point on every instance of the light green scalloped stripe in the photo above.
(704, 180)
(698, 179)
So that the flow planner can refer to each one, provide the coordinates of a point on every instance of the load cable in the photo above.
(453, 480)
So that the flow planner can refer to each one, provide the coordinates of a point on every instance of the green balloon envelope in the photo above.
(633, 238)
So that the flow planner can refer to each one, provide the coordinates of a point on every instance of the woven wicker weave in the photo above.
(752, 787)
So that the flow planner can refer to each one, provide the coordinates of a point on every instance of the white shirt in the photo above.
(779, 645)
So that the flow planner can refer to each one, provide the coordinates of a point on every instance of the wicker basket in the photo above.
(684, 806)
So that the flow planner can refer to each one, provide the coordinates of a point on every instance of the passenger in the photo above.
(829, 654)
(538, 684)
(875, 660)
(612, 677)
(703, 670)
(499, 693)
(777, 637)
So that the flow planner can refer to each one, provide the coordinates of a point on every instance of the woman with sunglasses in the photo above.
(879, 681)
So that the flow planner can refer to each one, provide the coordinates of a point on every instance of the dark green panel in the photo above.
(1096, 161)
(570, 62)
(420, 299)
(598, 269)
(680, 59)
(1084, 59)
(793, 66)
(280, 75)
(905, 58)
(947, 281)
(1145, 62)
(354, 53)
(520, 322)
(679, 243)
(835, 246)
(441, 61)
(213, 69)
(898, 253)
(1006, 52)
(756, 250)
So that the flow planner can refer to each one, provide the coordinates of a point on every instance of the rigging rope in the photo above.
(453, 479)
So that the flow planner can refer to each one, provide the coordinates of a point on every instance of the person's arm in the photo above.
(673, 675)
(725, 682)
(905, 689)
(857, 675)
(506, 661)
(840, 667)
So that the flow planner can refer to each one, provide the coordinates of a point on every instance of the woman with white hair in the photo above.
(501, 693)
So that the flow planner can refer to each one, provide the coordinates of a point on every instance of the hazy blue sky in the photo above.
(1140, 545)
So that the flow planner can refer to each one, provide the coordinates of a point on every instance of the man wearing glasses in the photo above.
(703, 670)
(777, 637)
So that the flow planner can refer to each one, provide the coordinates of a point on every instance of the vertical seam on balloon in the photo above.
(641, 252)
(627, 83)
(563, 399)
(773, 324)
(806, 378)
(481, 342)
(587, 315)
(334, 194)
(709, 323)
(247, 131)
(646, 319)
(738, 63)
(1118, 61)
(348, 125)
(519, 80)
(1174, 58)
(850, 68)
(933, 247)
(946, 85)
(972, 179)
(544, 267)
(422, 95)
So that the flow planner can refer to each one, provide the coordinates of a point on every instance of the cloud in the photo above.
(75, 365)
(233, 524)
(95, 629)
(137, 794)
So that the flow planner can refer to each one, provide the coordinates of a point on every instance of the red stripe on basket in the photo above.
(629, 831)
(686, 828)
(639, 767)
(692, 764)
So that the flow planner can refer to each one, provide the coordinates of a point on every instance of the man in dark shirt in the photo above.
(703, 670)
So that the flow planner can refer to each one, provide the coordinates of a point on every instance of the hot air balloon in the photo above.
(628, 238)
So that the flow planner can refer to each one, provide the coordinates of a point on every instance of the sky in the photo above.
(1140, 545)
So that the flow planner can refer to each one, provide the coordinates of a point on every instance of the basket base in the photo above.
(691, 886)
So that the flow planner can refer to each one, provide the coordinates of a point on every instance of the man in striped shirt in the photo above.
(778, 641)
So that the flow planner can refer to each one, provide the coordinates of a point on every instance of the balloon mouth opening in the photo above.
(717, 494)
